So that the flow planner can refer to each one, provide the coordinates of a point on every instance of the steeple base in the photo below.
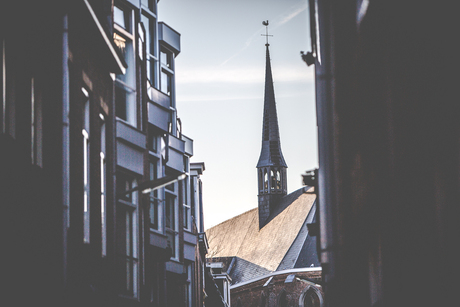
(267, 204)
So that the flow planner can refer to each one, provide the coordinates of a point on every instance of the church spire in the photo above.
(271, 146)
(271, 167)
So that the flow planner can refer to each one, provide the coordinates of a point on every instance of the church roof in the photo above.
(270, 154)
(282, 238)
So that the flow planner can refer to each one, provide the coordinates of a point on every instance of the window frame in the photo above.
(174, 230)
(151, 43)
(155, 200)
(130, 258)
(308, 292)
(36, 124)
(127, 82)
(167, 73)
(103, 179)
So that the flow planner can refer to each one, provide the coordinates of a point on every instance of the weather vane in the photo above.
(265, 23)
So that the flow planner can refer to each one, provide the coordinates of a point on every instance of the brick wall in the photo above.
(255, 293)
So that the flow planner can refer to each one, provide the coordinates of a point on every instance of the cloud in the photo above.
(242, 75)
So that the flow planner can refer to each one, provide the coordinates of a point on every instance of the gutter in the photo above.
(65, 143)
(299, 270)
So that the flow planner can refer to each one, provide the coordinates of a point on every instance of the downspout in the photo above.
(65, 144)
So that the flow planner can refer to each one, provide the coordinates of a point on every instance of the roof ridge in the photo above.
(229, 219)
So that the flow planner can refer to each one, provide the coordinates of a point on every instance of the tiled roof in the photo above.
(239, 269)
(302, 252)
(240, 236)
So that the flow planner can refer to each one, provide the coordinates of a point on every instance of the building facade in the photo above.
(389, 148)
(102, 201)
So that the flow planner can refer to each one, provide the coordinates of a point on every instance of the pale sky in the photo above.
(220, 90)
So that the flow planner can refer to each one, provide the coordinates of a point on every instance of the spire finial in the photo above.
(265, 23)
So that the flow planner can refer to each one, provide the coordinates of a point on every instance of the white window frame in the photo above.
(103, 163)
(186, 199)
(86, 167)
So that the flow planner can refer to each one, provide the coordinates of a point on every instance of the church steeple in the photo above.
(271, 167)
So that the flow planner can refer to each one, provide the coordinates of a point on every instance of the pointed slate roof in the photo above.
(270, 154)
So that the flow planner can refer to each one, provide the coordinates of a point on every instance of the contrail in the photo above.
(278, 22)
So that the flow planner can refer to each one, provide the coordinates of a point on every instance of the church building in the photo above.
(268, 252)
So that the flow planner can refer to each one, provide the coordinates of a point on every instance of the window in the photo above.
(125, 90)
(153, 143)
(265, 180)
(122, 17)
(86, 168)
(149, 22)
(167, 72)
(150, 4)
(186, 205)
(282, 302)
(7, 91)
(188, 286)
(263, 300)
(166, 59)
(103, 186)
(172, 223)
(170, 211)
(165, 86)
(311, 297)
(192, 197)
(278, 180)
(3, 85)
(35, 124)
(261, 182)
(155, 203)
(127, 237)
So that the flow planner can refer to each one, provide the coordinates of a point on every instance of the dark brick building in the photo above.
(101, 203)
(389, 148)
